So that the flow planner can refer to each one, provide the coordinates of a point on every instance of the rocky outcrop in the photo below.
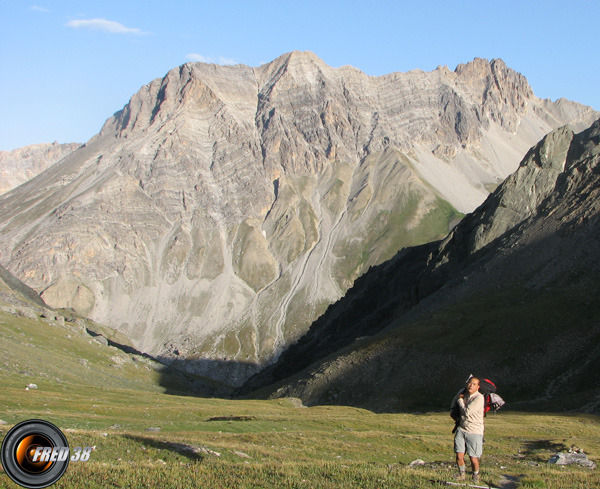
(217, 215)
(19, 165)
(509, 294)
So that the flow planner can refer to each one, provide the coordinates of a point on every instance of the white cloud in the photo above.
(199, 58)
(209, 59)
(105, 25)
(36, 8)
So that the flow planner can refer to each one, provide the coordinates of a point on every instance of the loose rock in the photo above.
(579, 458)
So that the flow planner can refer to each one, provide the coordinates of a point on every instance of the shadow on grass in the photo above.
(190, 377)
(534, 447)
(188, 451)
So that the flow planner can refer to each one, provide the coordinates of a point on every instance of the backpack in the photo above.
(492, 401)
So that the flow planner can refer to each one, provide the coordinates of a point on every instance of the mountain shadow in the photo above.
(179, 376)
(512, 293)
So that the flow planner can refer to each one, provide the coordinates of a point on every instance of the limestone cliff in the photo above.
(217, 215)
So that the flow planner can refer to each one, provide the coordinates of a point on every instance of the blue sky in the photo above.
(66, 66)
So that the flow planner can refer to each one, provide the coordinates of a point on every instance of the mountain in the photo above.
(511, 293)
(217, 215)
(21, 164)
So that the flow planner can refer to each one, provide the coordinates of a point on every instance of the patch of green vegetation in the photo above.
(246, 338)
(310, 223)
(230, 344)
(491, 187)
(389, 232)
(275, 444)
(301, 313)
(334, 199)
(252, 260)
(50, 354)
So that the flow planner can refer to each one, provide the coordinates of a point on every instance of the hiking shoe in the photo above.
(461, 476)
(476, 479)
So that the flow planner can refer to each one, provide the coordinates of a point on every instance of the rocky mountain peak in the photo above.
(586, 144)
(221, 211)
(504, 92)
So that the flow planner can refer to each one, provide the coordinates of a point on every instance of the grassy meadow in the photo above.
(101, 397)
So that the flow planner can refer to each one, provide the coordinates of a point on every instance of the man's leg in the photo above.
(475, 447)
(462, 469)
(460, 449)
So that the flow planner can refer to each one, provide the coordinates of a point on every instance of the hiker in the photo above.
(468, 437)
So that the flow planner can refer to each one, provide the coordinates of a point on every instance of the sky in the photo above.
(67, 66)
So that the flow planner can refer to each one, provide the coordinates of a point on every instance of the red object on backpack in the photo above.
(487, 387)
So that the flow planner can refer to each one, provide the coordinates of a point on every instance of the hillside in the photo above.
(511, 293)
(217, 215)
(57, 349)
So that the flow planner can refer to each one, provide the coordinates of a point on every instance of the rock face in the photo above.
(19, 165)
(511, 293)
(225, 207)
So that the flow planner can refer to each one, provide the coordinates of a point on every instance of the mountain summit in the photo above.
(217, 215)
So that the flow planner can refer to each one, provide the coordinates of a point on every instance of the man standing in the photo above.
(469, 433)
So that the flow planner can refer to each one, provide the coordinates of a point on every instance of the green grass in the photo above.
(262, 444)
(286, 446)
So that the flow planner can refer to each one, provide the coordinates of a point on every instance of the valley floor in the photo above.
(146, 439)
(101, 397)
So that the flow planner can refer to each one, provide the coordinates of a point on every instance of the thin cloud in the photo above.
(209, 59)
(200, 58)
(37, 8)
(105, 25)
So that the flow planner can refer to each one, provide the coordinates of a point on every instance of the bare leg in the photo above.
(474, 463)
(460, 461)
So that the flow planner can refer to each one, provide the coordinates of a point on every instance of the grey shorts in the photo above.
(468, 443)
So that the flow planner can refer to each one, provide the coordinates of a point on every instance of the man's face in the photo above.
(473, 386)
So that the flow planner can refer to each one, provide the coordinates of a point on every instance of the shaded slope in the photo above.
(15, 292)
(511, 293)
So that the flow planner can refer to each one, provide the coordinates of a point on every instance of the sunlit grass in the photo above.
(275, 444)
(144, 437)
